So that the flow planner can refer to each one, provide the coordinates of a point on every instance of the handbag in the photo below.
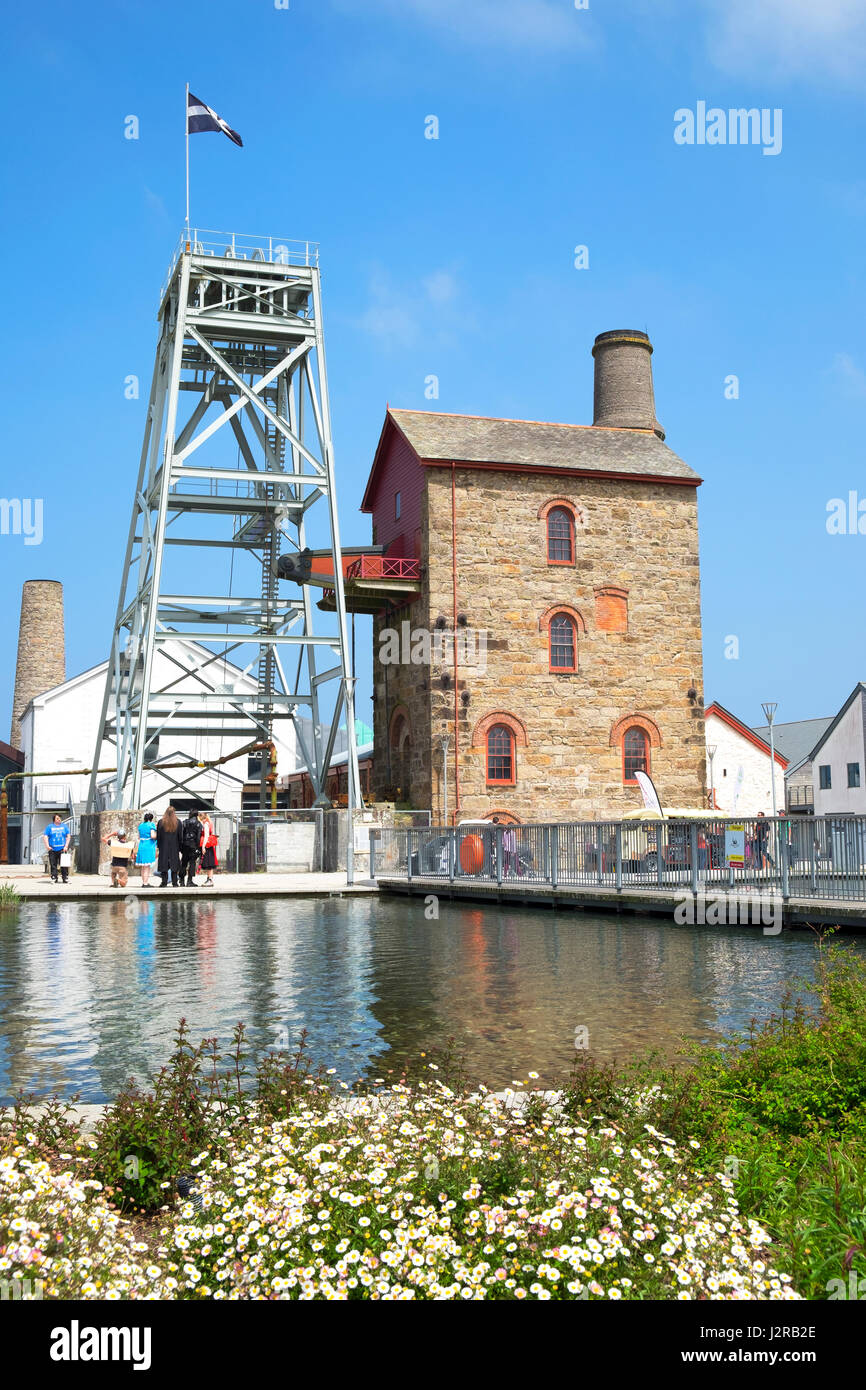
(65, 860)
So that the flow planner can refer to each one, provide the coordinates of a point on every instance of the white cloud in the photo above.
(403, 316)
(518, 24)
(850, 378)
(155, 203)
(440, 287)
(391, 315)
(788, 38)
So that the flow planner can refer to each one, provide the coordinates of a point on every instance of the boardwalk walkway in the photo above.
(845, 912)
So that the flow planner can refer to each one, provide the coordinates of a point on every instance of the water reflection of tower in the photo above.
(330, 995)
(206, 936)
(47, 987)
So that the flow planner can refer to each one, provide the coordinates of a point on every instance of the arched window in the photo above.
(500, 755)
(400, 754)
(563, 643)
(560, 536)
(635, 753)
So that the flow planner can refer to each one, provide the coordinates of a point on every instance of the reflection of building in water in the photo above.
(89, 996)
(513, 986)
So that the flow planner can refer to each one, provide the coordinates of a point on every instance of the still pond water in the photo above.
(90, 993)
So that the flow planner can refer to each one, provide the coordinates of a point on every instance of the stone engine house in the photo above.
(538, 608)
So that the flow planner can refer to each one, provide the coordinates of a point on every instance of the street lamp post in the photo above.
(712, 750)
(769, 708)
(445, 744)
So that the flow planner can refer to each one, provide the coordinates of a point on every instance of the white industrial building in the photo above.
(740, 778)
(58, 735)
(839, 760)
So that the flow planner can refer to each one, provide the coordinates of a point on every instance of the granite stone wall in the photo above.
(639, 646)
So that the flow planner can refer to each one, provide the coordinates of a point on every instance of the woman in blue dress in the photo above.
(146, 855)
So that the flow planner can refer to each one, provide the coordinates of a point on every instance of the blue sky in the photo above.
(455, 257)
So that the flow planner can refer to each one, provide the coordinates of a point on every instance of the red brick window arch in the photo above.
(560, 536)
(636, 735)
(563, 624)
(561, 519)
(611, 609)
(500, 756)
(635, 753)
(562, 634)
(499, 734)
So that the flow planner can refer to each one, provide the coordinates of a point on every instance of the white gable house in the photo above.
(742, 780)
(839, 760)
(58, 734)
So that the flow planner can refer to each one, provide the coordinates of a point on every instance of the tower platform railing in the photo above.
(240, 246)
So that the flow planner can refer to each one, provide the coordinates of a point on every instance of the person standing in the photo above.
(190, 849)
(209, 860)
(762, 836)
(511, 863)
(56, 840)
(146, 856)
(168, 847)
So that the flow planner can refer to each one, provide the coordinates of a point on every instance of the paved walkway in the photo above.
(607, 898)
(86, 886)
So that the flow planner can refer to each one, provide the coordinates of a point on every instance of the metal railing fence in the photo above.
(244, 247)
(819, 857)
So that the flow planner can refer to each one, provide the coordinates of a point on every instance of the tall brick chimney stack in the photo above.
(41, 646)
(624, 381)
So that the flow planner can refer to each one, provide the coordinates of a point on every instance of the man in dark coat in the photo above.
(190, 849)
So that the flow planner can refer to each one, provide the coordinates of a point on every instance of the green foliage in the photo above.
(149, 1137)
(782, 1107)
(46, 1126)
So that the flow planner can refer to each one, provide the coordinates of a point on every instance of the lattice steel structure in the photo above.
(237, 453)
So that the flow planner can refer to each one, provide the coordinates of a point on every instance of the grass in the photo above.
(742, 1176)
(9, 897)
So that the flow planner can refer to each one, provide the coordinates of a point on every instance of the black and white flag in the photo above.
(200, 117)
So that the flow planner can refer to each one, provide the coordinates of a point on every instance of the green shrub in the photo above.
(148, 1137)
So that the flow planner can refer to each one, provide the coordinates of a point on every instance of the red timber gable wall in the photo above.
(400, 471)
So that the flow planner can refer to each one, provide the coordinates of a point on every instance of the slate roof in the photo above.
(533, 443)
(795, 741)
(753, 735)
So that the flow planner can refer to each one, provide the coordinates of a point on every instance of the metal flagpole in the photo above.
(186, 130)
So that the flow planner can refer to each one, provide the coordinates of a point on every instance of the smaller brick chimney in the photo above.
(41, 647)
(624, 381)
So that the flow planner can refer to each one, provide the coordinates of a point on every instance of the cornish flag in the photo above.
(200, 117)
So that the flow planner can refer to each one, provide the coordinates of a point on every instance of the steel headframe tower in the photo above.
(237, 452)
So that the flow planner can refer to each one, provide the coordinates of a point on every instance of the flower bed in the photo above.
(421, 1195)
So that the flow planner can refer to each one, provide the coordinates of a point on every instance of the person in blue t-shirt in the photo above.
(56, 840)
